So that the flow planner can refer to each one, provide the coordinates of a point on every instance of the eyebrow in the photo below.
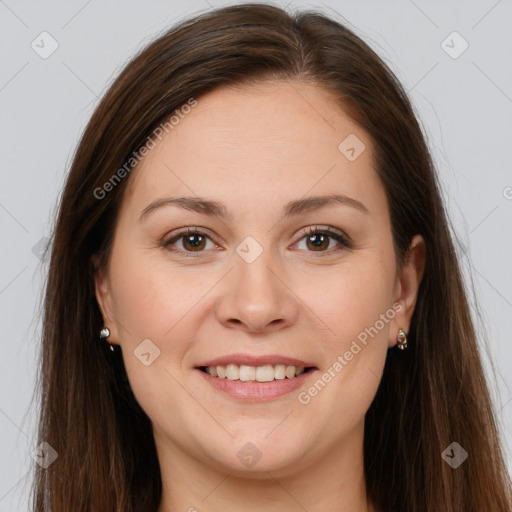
(218, 209)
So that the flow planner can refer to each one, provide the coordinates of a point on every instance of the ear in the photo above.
(406, 287)
(104, 298)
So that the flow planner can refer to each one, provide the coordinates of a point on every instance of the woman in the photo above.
(254, 302)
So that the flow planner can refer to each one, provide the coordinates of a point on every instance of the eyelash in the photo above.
(339, 237)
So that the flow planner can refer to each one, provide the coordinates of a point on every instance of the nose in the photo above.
(255, 297)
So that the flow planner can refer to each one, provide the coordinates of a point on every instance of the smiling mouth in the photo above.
(265, 373)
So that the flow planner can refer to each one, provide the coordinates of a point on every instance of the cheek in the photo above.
(354, 297)
(151, 302)
(151, 297)
(355, 307)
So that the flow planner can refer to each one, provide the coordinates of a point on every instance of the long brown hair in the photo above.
(431, 395)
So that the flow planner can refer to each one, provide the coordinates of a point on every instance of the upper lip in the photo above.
(249, 360)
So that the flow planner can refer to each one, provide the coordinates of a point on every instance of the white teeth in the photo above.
(290, 371)
(247, 372)
(279, 371)
(264, 373)
(232, 372)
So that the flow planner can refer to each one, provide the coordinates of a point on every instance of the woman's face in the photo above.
(255, 292)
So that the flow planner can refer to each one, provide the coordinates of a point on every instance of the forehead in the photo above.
(264, 141)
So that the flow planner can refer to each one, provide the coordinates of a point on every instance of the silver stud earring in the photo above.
(104, 334)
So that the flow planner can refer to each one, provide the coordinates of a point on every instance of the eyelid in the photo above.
(324, 229)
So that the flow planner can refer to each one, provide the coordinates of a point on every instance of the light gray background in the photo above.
(465, 105)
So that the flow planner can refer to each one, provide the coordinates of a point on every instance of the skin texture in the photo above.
(255, 148)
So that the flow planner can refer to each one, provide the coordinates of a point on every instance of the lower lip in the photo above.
(256, 391)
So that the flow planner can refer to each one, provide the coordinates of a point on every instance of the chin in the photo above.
(255, 457)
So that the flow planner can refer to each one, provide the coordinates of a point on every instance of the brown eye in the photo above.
(195, 241)
(191, 241)
(318, 240)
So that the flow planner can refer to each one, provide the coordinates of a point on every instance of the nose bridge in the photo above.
(256, 266)
(255, 270)
(256, 296)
